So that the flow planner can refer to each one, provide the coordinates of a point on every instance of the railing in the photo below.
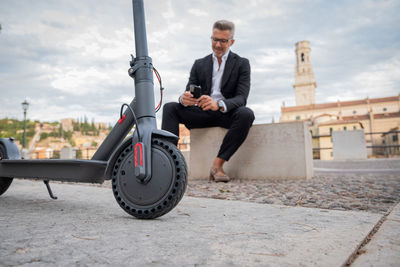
(377, 147)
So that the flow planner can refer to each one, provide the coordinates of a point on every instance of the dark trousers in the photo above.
(238, 121)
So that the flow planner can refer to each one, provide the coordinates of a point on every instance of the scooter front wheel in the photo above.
(5, 182)
(165, 188)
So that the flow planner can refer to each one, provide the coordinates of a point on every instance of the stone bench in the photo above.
(271, 151)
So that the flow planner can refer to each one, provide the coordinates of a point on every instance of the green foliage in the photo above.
(72, 142)
(30, 133)
(85, 127)
(43, 136)
(54, 134)
(68, 135)
(76, 126)
(14, 128)
(56, 155)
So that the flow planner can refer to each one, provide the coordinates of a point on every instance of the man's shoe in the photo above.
(218, 177)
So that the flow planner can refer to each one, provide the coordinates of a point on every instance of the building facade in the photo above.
(377, 116)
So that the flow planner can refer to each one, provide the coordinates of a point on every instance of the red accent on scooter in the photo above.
(122, 119)
(141, 154)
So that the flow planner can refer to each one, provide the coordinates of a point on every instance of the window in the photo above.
(297, 117)
(395, 138)
(302, 57)
(354, 127)
(354, 111)
(344, 128)
(330, 131)
(385, 109)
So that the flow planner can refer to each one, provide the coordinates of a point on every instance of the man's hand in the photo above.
(188, 99)
(207, 103)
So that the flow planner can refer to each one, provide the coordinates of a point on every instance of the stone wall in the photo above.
(349, 145)
(271, 151)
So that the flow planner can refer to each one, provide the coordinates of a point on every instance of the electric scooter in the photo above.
(148, 172)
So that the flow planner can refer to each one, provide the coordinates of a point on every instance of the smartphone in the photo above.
(195, 90)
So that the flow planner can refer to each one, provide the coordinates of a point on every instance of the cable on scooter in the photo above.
(161, 88)
(122, 118)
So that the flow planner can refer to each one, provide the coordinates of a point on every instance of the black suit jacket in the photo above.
(235, 83)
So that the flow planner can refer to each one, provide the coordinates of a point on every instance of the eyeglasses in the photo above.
(222, 41)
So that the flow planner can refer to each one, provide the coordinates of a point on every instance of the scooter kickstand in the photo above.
(49, 189)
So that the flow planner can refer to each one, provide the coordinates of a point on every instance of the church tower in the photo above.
(305, 84)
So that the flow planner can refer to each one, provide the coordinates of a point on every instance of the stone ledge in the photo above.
(271, 151)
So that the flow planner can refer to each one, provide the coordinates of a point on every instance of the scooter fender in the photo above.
(12, 151)
(114, 156)
(164, 135)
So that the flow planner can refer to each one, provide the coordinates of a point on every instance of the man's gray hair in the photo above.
(224, 25)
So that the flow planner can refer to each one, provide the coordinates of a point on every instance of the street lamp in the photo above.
(25, 106)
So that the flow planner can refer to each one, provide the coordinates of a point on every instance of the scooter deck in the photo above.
(84, 171)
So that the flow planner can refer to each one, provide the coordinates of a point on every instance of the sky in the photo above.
(70, 58)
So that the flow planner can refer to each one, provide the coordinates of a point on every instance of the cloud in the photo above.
(378, 80)
(78, 81)
(197, 12)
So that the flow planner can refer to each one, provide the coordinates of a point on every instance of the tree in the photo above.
(61, 130)
(68, 135)
(43, 136)
(72, 142)
(56, 155)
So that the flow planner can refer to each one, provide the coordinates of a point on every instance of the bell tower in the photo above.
(305, 84)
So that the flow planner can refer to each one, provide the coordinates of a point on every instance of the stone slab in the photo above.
(378, 166)
(85, 226)
(186, 155)
(384, 247)
(348, 145)
(271, 151)
(366, 164)
(67, 153)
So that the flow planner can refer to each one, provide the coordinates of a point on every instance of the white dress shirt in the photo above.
(218, 71)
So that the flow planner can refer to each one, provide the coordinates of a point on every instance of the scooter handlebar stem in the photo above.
(140, 28)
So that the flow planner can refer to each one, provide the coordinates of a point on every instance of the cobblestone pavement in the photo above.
(367, 192)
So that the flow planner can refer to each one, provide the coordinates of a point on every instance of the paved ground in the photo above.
(87, 227)
(384, 247)
(372, 192)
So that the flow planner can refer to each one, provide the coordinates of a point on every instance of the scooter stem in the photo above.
(143, 75)
(142, 72)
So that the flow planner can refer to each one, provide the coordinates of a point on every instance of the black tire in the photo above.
(5, 182)
(162, 193)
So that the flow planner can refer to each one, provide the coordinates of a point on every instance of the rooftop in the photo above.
(341, 104)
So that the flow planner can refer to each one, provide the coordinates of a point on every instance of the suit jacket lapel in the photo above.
(230, 62)
(209, 73)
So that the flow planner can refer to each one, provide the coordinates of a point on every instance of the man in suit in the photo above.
(225, 81)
